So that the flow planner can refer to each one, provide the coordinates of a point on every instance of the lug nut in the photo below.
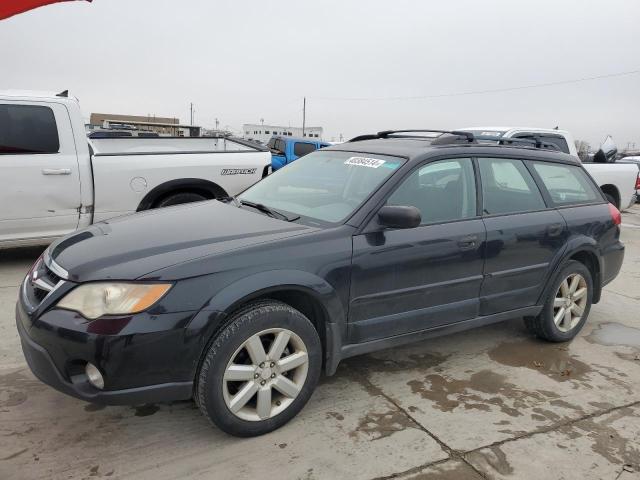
(278, 403)
(262, 365)
(255, 375)
(273, 375)
(262, 382)
(273, 364)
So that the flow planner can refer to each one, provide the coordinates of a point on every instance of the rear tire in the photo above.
(260, 370)
(567, 306)
(180, 198)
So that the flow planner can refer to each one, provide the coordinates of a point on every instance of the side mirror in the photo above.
(399, 216)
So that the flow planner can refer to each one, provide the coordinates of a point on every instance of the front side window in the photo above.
(28, 129)
(567, 184)
(300, 149)
(443, 191)
(508, 187)
(324, 185)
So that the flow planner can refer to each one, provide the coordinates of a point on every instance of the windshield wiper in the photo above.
(269, 211)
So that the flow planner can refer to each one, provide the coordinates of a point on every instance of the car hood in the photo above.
(128, 247)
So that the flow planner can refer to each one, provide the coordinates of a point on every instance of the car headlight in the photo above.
(93, 300)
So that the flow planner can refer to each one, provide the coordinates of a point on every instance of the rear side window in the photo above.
(27, 129)
(301, 149)
(508, 187)
(567, 184)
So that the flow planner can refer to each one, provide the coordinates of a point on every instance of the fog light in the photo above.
(94, 376)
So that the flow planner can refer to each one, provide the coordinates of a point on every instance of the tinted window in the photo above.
(300, 149)
(279, 145)
(28, 129)
(442, 191)
(507, 187)
(566, 184)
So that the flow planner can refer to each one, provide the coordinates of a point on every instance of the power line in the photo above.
(480, 92)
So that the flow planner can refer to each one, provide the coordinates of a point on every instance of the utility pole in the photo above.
(304, 113)
(191, 108)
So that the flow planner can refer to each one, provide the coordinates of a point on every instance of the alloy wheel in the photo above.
(570, 302)
(265, 374)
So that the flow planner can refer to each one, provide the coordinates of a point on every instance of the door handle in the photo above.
(56, 171)
(468, 242)
(555, 229)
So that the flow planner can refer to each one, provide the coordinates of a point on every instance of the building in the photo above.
(262, 133)
(165, 126)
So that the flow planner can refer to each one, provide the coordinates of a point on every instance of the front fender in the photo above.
(262, 283)
(214, 314)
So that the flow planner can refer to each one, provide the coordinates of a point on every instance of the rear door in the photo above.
(40, 184)
(524, 236)
(405, 280)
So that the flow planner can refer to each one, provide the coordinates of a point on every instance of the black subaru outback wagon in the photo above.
(383, 240)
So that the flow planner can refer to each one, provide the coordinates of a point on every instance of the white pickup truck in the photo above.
(53, 180)
(616, 180)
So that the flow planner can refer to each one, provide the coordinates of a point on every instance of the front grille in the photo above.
(40, 282)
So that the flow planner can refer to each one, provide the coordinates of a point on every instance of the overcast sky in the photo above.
(241, 61)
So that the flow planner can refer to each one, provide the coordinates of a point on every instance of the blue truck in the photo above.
(285, 150)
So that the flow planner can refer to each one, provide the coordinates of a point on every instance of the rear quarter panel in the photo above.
(122, 181)
(591, 228)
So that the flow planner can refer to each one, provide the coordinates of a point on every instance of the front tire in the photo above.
(179, 199)
(567, 307)
(260, 370)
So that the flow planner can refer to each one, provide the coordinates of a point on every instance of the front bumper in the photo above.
(55, 356)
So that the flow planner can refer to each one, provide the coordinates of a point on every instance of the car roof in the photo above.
(420, 148)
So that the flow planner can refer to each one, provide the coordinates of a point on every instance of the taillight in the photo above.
(615, 214)
(638, 182)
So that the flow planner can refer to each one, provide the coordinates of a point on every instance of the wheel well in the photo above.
(589, 260)
(299, 299)
(306, 304)
(202, 187)
(613, 191)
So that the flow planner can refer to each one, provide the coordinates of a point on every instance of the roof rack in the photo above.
(448, 137)
(394, 133)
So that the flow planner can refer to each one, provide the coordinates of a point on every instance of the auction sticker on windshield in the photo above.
(364, 162)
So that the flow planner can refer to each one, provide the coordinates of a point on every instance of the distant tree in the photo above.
(583, 149)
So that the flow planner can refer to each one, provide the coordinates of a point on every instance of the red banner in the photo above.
(9, 8)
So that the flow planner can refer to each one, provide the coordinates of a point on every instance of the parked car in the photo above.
(285, 150)
(366, 245)
(53, 180)
(617, 181)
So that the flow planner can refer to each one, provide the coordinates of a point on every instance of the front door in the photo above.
(40, 183)
(406, 280)
(523, 236)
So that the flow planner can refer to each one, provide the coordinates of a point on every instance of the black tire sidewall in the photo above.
(551, 330)
(179, 199)
(265, 316)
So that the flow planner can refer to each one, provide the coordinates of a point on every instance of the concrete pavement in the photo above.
(487, 403)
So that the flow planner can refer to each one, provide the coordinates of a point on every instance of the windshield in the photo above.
(323, 185)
